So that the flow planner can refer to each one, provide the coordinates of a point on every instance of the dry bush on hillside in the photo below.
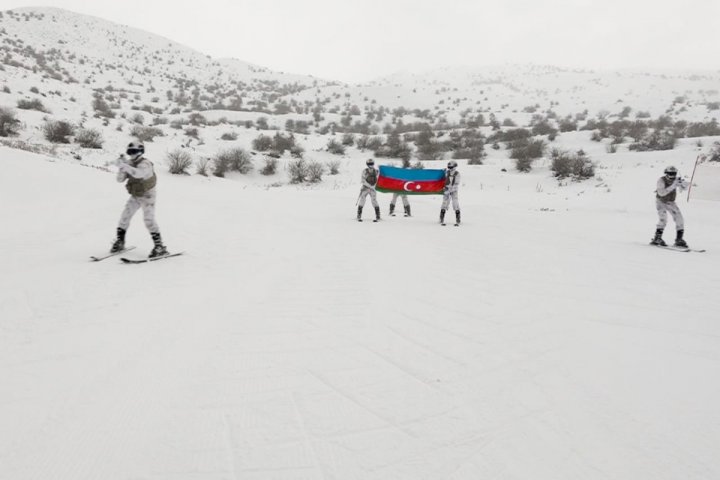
(58, 131)
(34, 104)
(89, 138)
(270, 166)
(9, 124)
(576, 165)
(179, 161)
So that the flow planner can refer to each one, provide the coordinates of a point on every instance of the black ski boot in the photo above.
(359, 216)
(159, 249)
(442, 216)
(407, 211)
(392, 210)
(657, 240)
(377, 214)
(119, 244)
(457, 217)
(679, 242)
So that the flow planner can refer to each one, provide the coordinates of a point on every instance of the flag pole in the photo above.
(693, 176)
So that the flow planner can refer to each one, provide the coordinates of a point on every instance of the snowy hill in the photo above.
(541, 339)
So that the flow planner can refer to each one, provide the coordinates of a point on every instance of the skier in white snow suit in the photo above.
(406, 203)
(665, 193)
(141, 180)
(369, 179)
(452, 184)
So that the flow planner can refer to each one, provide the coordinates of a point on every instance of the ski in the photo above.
(457, 224)
(679, 249)
(147, 260)
(97, 258)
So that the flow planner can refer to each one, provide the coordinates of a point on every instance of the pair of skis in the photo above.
(678, 249)
(98, 258)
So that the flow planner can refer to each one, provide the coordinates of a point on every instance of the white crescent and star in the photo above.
(407, 186)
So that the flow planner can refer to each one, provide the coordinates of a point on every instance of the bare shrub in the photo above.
(270, 166)
(297, 151)
(201, 167)
(138, 118)
(34, 104)
(333, 167)
(229, 136)
(524, 152)
(145, 134)
(335, 147)
(9, 124)
(233, 159)
(576, 165)
(179, 161)
(315, 171)
(58, 131)
(298, 171)
(262, 143)
(89, 138)
(348, 139)
(714, 154)
(657, 140)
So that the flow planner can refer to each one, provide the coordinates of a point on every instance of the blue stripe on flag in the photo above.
(411, 173)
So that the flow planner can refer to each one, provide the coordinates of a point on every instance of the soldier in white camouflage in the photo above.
(369, 178)
(450, 192)
(665, 194)
(140, 176)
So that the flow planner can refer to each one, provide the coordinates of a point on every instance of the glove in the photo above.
(120, 160)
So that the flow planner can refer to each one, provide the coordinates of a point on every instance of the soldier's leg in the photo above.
(662, 214)
(676, 215)
(131, 207)
(147, 202)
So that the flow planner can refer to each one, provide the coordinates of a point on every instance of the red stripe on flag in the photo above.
(410, 187)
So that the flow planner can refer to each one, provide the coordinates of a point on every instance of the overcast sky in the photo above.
(354, 40)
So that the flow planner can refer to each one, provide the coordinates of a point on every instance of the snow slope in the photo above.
(542, 339)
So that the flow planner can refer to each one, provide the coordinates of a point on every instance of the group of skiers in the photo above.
(139, 175)
(369, 178)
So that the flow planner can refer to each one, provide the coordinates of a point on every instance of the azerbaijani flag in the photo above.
(410, 181)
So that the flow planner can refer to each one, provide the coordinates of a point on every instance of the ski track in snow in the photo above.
(291, 342)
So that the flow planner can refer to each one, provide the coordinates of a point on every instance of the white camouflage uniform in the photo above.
(143, 171)
(368, 186)
(452, 184)
(395, 196)
(665, 202)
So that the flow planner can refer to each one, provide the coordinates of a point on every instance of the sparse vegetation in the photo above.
(179, 160)
(335, 147)
(575, 165)
(333, 167)
(233, 159)
(89, 138)
(524, 152)
(270, 167)
(58, 131)
(298, 171)
(145, 134)
(9, 123)
(201, 167)
(315, 171)
(34, 104)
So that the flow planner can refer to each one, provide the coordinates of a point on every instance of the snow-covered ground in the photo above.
(542, 339)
